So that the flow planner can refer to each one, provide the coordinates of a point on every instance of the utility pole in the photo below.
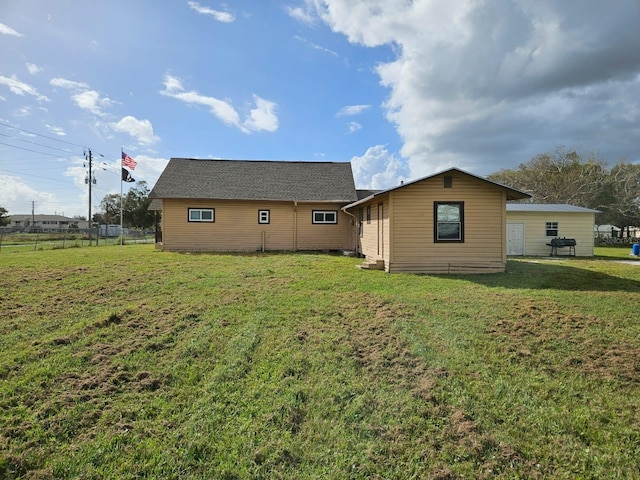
(90, 180)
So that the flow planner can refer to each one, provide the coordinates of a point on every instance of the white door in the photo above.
(515, 238)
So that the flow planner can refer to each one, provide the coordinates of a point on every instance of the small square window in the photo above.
(552, 229)
(263, 216)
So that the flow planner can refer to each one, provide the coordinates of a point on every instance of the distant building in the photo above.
(44, 223)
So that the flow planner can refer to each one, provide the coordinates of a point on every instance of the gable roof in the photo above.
(548, 207)
(256, 180)
(512, 193)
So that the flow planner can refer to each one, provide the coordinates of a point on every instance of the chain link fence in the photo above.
(13, 242)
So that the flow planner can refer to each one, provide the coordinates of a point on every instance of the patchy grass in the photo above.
(128, 363)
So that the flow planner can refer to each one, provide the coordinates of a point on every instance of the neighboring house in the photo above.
(450, 222)
(530, 227)
(237, 205)
(44, 223)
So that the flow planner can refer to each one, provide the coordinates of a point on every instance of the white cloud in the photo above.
(57, 130)
(224, 17)
(21, 88)
(302, 14)
(91, 101)
(469, 77)
(141, 130)
(354, 127)
(7, 30)
(315, 46)
(68, 84)
(32, 68)
(14, 191)
(83, 96)
(352, 110)
(378, 169)
(262, 117)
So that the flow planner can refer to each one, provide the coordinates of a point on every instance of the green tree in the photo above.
(136, 207)
(109, 210)
(559, 177)
(4, 217)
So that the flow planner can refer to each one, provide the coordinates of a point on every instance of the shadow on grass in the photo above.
(556, 276)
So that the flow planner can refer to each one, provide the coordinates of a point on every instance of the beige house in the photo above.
(247, 206)
(450, 222)
(531, 227)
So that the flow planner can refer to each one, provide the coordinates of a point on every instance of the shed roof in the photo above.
(512, 193)
(548, 207)
(256, 180)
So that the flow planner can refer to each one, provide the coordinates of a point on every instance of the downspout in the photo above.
(355, 230)
(295, 225)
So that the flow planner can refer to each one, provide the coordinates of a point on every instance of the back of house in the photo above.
(240, 205)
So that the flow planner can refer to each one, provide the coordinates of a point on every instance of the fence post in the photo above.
(35, 245)
(0, 242)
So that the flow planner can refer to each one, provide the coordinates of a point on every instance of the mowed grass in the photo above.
(134, 363)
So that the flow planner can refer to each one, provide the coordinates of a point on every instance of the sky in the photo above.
(401, 89)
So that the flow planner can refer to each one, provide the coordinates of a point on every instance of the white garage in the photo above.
(531, 227)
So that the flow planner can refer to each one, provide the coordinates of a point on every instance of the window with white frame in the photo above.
(448, 221)
(552, 229)
(202, 215)
(263, 216)
(324, 216)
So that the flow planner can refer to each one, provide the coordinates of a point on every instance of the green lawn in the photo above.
(134, 363)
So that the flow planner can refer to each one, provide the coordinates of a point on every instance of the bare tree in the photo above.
(559, 177)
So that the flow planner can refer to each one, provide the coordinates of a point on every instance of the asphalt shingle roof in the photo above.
(256, 180)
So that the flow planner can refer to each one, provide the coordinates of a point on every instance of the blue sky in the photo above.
(401, 89)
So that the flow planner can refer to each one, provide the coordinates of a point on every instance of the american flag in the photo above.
(128, 162)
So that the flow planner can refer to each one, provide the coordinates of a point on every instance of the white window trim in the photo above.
(324, 214)
(264, 217)
(201, 220)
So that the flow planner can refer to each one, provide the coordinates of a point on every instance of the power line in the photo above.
(30, 150)
(40, 135)
(35, 143)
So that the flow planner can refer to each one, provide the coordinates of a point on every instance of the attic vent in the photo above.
(448, 181)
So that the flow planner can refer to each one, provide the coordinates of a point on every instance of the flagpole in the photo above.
(121, 203)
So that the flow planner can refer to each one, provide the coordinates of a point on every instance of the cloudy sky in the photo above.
(400, 88)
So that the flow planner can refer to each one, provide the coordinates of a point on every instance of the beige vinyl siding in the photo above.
(375, 234)
(236, 227)
(408, 228)
(576, 225)
(314, 236)
(412, 238)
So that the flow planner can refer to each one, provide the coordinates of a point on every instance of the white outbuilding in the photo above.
(531, 228)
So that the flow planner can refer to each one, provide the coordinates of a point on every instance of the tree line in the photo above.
(564, 176)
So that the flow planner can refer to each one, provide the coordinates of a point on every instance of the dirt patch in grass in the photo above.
(384, 356)
(540, 332)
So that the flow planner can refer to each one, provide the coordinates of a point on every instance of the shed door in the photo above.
(515, 238)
